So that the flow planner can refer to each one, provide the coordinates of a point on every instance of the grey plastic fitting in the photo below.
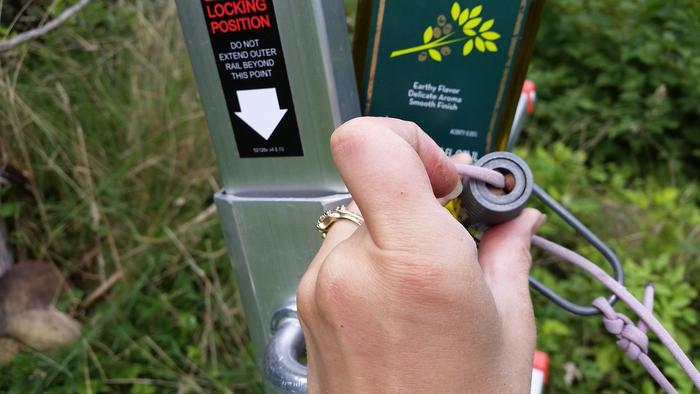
(486, 206)
(281, 364)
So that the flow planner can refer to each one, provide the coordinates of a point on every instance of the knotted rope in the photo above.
(632, 339)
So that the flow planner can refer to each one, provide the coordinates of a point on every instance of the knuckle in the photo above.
(442, 169)
(359, 123)
(352, 130)
(413, 131)
(331, 288)
(346, 139)
(306, 307)
(334, 292)
(361, 130)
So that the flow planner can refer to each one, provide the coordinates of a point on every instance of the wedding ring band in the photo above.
(326, 220)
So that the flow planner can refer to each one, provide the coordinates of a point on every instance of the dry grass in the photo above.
(103, 121)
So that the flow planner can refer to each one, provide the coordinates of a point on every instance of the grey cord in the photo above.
(484, 208)
(588, 235)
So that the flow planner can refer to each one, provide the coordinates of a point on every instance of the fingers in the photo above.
(462, 158)
(337, 233)
(394, 172)
(504, 252)
(459, 158)
(306, 291)
(341, 229)
(504, 256)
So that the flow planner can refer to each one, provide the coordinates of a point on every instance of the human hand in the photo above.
(406, 302)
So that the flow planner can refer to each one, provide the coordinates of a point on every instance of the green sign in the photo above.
(448, 65)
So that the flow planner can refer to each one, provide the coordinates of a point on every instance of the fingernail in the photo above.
(456, 192)
(464, 158)
(540, 221)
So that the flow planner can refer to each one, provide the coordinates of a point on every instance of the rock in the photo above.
(43, 329)
(28, 285)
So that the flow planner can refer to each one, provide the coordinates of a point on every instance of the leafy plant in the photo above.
(621, 81)
(655, 230)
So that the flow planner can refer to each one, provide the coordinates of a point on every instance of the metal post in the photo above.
(526, 107)
(275, 78)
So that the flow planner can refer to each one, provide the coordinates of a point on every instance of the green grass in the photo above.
(102, 118)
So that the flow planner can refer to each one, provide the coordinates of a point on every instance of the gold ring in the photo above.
(326, 220)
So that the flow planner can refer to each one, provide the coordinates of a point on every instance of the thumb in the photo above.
(504, 256)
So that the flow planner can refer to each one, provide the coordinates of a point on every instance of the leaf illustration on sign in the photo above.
(475, 32)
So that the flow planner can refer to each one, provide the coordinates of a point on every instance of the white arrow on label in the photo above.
(260, 109)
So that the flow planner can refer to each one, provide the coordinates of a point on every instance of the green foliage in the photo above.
(621, 80)
(655, 230)
(102, 118)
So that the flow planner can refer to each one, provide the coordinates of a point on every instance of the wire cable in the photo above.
(588, 235)
(631, 338)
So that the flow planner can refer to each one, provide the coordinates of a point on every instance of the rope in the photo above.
(631, 338)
